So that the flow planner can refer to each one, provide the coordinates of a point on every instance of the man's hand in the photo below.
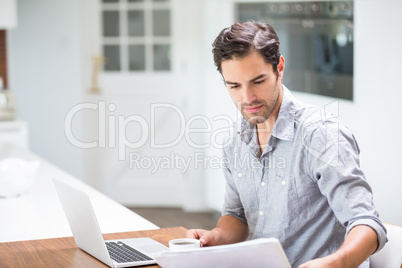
(207, 238)
(228, 230)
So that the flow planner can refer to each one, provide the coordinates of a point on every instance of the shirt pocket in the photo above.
(283, 201)
(244, 182)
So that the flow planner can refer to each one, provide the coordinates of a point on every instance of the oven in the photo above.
(316, 41)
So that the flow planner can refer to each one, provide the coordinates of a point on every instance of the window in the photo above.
(136, 35)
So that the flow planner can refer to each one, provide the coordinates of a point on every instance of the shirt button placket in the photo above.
(263, 193)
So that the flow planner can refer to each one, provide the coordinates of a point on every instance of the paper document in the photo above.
(262, 252)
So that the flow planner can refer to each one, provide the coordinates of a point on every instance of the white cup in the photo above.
(184, 243)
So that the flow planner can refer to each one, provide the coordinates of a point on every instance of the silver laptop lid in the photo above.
(82, 220)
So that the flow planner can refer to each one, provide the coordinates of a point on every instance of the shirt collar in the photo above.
(284, 128)
(246, 130)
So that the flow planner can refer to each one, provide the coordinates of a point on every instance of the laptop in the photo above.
(88, 236)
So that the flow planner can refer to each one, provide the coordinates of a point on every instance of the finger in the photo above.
(195, 233)
(191, 234)
(208, 239)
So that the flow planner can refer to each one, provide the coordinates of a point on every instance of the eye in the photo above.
(259, 82)
(235, 86)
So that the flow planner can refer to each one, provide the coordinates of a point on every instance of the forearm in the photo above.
(359, 244)
(229, 230)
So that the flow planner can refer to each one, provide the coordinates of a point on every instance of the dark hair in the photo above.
(240, 39)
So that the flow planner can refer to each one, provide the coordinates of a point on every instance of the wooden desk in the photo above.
(63, 252)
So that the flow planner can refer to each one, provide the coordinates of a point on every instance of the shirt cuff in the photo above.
(378, 227)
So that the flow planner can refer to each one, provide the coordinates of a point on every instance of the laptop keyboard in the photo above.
(121, 253)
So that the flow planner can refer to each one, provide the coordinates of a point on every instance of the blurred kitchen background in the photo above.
(105, 89)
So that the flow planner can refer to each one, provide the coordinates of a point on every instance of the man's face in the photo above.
(253, 85)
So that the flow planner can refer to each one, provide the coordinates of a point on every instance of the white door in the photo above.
(137, 152)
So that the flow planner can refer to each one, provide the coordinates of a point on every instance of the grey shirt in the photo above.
(306, 189)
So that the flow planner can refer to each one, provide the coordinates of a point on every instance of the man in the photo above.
(292, 171)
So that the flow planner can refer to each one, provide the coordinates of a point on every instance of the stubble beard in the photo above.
(262, 115)
(259, 117)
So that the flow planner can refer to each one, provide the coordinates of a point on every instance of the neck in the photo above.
(269, 124)
(264, 129)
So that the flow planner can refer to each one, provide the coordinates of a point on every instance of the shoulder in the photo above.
(321, 133)
(316, 123)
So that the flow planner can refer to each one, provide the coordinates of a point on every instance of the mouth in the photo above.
(254, 109)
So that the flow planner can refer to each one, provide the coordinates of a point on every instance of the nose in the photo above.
(248, 95)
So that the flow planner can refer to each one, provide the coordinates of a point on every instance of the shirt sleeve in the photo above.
(232, 204)
(334, 164)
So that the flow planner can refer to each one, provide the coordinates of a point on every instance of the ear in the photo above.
(281, 66)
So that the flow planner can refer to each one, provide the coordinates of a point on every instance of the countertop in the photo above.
(38, 214)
